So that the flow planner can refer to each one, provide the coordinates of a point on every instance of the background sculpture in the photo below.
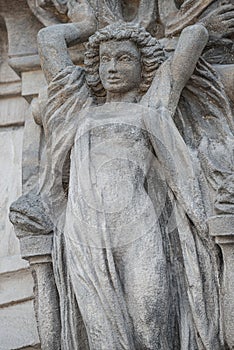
(119, 290)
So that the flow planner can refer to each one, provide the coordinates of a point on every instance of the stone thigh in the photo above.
(143, 274)
(100, 298)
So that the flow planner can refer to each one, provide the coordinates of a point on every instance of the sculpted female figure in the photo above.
(143, 275)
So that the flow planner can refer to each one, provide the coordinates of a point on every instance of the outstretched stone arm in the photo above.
(53, 41)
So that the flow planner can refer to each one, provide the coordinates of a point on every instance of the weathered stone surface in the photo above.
(227, 74)
(31, 153)
(17, 316)
(47, 303)
(10, 186)
(31, 225)
(32, 246)
(7, 89)
(221, 227)
(25, 24)
(16, 287)
(13, 111)
(32, 82)
(18, 328)
(138, 157)
(7, 75)
(12, 263)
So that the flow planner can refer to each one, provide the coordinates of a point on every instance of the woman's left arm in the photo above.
(192, 42)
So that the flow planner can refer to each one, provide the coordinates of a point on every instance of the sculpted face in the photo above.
(120, 66)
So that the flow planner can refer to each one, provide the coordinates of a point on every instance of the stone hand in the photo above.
(220, 21)
(80, 11)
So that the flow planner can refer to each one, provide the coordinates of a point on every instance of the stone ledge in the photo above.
(221, 225)
(16, 287)
(18, 327)
(36, 347)
(13, 110)
(10, 88)
(12, 264)
(30, 63)
(36, 246)
(32, 82)
(24, 63)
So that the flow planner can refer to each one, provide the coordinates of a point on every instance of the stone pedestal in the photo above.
(37, 250)
(222, 228)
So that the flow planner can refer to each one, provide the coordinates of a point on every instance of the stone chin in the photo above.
(117, 87)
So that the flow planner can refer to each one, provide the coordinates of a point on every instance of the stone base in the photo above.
(222, 228)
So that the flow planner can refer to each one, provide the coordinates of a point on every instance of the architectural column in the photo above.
(222, 228)
(36, 249)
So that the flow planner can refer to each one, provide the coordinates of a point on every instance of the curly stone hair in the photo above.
(152, 54)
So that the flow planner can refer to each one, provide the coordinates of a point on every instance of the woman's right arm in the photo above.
(53, 41)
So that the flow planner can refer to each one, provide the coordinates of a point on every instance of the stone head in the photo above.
(120, 66)
(120, 58)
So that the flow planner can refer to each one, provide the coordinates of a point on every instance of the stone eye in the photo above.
(105, 59)
(125, 58)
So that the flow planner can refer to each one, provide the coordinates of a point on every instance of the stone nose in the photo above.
(112, 66)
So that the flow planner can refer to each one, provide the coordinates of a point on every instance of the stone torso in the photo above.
(111, 158)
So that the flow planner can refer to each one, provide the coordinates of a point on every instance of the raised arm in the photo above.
(170, 148)
(192, 41)
(53, 41)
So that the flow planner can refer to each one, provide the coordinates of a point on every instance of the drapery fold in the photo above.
(191, 256)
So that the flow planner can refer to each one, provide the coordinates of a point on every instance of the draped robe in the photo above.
(188, 255)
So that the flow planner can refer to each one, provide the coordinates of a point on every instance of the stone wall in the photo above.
(21, 79)
(18, 325)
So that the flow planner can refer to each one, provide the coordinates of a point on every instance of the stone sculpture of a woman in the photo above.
(132, 254)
